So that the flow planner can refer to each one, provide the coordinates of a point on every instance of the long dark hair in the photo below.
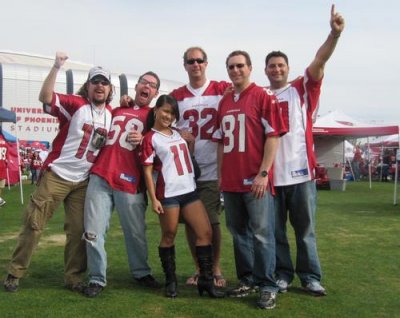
(83, 91)
(161, 101)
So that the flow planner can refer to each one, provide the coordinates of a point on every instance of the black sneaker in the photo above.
(11, 283)
(93, 289)
(242, 290)
(148, 281)
(267, 300)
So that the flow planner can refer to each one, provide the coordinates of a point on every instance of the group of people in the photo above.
(254, 144)
(31, 162)
(382, 165)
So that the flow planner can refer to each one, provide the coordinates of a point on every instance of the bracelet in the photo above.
(56, 66)
(335, 36)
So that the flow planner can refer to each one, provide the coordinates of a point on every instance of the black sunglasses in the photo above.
(232, 66)
(96, 81)
(192, 61)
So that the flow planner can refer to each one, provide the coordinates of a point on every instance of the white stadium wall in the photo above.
(22, 78)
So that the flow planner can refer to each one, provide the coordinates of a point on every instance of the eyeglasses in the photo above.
(192, 61)
(96, 81)
(144, 81)
(239, 66)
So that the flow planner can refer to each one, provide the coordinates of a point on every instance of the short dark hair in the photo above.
(276, 54)
(151, 74)
(194, 48)
(161, 101)
(239, 52)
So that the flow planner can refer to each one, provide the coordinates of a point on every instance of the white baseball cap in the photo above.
(99, 71)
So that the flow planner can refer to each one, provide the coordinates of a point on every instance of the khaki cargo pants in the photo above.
(51, 191)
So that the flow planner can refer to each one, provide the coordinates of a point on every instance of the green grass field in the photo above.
(359, 247)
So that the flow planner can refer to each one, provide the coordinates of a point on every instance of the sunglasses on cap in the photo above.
(239, 66)
(96, 81)
(192, 61)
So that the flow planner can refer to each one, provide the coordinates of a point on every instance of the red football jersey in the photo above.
(3, 158)
(118, 162)
(244, 123)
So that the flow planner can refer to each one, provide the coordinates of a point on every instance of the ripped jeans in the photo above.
(50, 192)
(131, 209)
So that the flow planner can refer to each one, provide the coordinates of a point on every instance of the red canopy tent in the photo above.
(339, 124)
(331, 130)
(391, 141)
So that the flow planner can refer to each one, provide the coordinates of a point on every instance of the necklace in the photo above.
(98, 113)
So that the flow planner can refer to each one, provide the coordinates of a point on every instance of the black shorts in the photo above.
(180, 200)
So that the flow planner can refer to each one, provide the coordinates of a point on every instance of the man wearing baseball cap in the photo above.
(84, 119)
(99, 71)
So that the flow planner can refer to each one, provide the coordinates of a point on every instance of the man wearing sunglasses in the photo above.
(198, 103)
(249, 125)
(116, 182)
(65, 172)
(295, 162)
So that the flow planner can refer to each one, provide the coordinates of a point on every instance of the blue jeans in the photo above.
(131, 209)
(299, 202)
(251, 222)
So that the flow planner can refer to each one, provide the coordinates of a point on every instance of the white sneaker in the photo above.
(315, 289)
(2, 202)
(283, 285)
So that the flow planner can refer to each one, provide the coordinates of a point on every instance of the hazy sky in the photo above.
(136, 36)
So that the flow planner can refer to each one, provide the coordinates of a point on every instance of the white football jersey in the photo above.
(295, 160)
(170, 156)
(198, 114)
(72, 153)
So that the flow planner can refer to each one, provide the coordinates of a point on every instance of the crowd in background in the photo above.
(381, 162)
(31, 161)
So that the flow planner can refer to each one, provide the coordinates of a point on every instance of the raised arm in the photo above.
(46, 93)
(316, 67)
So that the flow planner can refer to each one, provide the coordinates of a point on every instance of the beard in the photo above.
(99, 101)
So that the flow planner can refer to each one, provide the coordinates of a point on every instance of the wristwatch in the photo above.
(264, 173)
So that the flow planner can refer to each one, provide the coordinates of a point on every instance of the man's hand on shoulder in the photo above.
(126, 101)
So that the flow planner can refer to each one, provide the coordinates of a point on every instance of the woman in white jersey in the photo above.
(165, 152)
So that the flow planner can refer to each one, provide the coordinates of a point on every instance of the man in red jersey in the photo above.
(249, 127)
(84, 121)
(295, 162)
(198, 102)
(116, 181)
(3, 167)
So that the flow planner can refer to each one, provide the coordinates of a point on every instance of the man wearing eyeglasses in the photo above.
(116, 182)
(295, 163)
(249, 125)
(198, 102)
(84, 118)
